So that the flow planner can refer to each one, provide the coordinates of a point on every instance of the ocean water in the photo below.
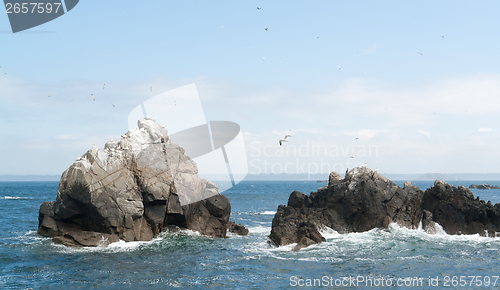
(408, 259)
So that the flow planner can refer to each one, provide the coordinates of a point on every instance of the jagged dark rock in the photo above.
(364, 200)
(237, 229)
(483, 186)
(131, 191)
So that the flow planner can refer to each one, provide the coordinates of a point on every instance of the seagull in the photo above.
(103, 86)
(420, 53)
(352, 156)
(376, 170)
(357, 138)
(151, 88)
(93, 97)
(317, 36)
(113, 105)
(285, 139)
(339, 67)
(263, 59)
(258, 8)
(175, 103)
(73, 100)
(443, 36)
(49, 96)
(266, 29)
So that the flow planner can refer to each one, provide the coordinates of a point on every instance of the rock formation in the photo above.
(483, 186)
(131, 190)
(364, 200)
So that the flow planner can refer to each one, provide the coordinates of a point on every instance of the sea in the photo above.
(394, 258)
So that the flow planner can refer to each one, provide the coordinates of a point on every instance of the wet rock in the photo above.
(131, 190)
(364, 200)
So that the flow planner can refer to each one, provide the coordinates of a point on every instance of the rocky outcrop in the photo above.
(364, 200)
(131, 191)
(237, 229)
(483, 186)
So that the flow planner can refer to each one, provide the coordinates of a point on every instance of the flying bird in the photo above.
(258, 8)
(266, 29)
(113, 105)
(420, 53)
(285, 139)
(93, 97)
(151, 88)
(352, 156)
(103, 86)
(339, 67)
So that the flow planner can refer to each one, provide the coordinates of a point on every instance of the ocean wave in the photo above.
(121, 246)
(265, 212)
(16, 197)
(259, 230)
(270, 212)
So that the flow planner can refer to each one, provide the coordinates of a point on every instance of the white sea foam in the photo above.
(327, 232)
(259, 230)
(266, 212)
(16, 197)
(122, 246)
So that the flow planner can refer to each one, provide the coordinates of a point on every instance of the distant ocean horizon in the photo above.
(184, 259)
(303, 176)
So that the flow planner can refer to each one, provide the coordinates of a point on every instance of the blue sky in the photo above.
(420, 101)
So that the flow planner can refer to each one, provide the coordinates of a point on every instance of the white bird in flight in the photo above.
(103, 86)
(352, 156)
(266, 29)
(93, 97)
(285, 139)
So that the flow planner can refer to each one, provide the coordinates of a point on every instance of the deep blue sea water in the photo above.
(187, 260)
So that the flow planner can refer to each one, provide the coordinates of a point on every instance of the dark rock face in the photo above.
(364, 200)
(131, 191)
(456, 210)
(237, 229)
